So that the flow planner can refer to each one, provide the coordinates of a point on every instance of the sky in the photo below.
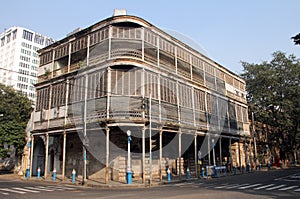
(229, 31)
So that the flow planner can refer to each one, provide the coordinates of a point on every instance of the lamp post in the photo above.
(129, 172)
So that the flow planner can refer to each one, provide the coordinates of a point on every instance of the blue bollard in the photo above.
(38, 173)
(243, 169)
(169, 175)
(188, 174)
(260, 167)
(234, 170)
(269, 166)
(202, 172)
(129, 177)
(28, 172)
(215, 172)
(73, 175)
(54, 175)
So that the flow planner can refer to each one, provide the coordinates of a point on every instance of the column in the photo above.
(160, 154)
(196, 155)
(208, 149)
(179, 153)
(85, 142)
(31, 155)
(220, 151)
(240, 158)
(143, 154)
(107, 157)
(230, 154)
(46, 154)
(64, 155)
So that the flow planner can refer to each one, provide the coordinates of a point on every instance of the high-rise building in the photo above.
(19, 59)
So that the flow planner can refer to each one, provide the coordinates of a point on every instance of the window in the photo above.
(46, 57)
(8, 38)
(26, 45)
(42, 98)
(14, 34)
(2, 41)
(24, 58)
(35, 48)
(27, 35)
(58, 94)
(39, 39)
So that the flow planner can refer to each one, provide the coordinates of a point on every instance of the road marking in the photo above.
(39, 188)
(295, 175)
(221, 187)
(287, 188)
(4, 193)
(27, 190)
(276, 187)
(262, 187)
(235, 186)
(249, 186)
(14, 191)
(297, 190)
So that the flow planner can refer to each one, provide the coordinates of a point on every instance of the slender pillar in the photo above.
(150, 136)
(109, 41)
(208, 149)
(240, 158)
(143, 153)
(107, 157)
(160, 155)
(47, 154)
(69, 56)
(179, 153)
(85, 142)
(230, 154)
(246, 152)
(195, 155)
(220, 150)
(213, 148)
(31, 155)
(64, 155)
(143, 43)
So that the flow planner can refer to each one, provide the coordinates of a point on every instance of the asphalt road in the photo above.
(263, 184)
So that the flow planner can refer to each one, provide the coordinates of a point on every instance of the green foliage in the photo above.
(273, 92)
(15, 110)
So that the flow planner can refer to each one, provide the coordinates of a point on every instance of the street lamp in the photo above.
(129, 172)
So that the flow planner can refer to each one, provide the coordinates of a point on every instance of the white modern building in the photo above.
(19, 59)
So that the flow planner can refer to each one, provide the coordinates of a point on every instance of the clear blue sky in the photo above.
(229, 30)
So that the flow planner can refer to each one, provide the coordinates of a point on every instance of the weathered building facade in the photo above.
(124, 74)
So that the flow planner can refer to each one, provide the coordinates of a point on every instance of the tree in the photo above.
(296, 39)
(273, 91)
(15, 110)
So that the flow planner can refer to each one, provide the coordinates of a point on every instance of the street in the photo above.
(260, 184)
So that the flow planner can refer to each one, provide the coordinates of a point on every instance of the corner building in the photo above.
(123, 74)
